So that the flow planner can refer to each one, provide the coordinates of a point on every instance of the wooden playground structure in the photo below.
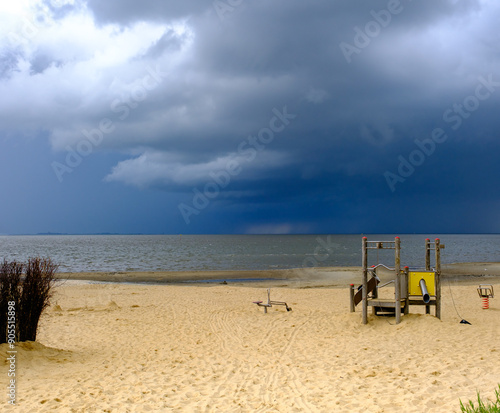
(411, 287)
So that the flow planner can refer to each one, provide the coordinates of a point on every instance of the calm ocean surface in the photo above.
(115, 253)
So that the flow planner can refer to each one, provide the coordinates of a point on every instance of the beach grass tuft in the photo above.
(481, 406)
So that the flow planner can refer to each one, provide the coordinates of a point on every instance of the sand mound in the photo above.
(31, 352)
(57, 308)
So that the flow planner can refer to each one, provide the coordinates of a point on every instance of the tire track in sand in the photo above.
(223, 328)
(295, 383)
(227, 332)
(263, 343)
(273, 379)
(252, 372)
(234, 382)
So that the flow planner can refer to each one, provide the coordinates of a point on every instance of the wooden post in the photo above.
(428, 266)
(397, 269)
(365, 280)
(374, 296)
(437, 281)
(351, 294)
(405, 291)
(427, 254)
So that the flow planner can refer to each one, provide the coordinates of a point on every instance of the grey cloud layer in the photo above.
(221, 79)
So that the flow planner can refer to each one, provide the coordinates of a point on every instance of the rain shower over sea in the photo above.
(120, 253)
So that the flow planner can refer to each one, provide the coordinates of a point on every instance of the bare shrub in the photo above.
(10, 290)
(30, 287)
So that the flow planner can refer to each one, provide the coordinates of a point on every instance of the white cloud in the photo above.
(63, 74)
(155, 168)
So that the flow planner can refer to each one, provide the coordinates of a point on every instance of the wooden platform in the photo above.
(387, 307)
(387, 302)
(384, 306)
(383, 302)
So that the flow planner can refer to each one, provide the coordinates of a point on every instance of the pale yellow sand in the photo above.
(207, 348)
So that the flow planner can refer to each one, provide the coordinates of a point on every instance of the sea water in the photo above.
(117, 253)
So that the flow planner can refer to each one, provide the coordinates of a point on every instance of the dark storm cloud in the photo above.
(366, 82)
(355, 119)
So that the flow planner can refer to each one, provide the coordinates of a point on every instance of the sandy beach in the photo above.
(205, 347)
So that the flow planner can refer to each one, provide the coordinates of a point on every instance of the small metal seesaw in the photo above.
(271, 303)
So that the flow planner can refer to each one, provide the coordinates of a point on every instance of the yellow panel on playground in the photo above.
(414, 278)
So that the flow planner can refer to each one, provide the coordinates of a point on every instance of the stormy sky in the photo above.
(249, 116)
